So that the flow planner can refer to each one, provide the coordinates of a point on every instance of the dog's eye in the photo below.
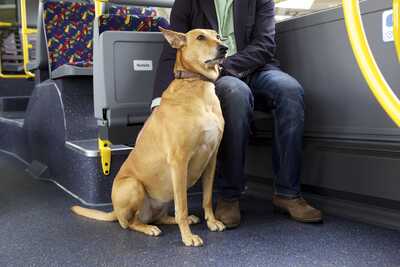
(201, 37)
(219, 37)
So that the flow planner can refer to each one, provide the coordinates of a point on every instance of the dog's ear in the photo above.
(175, 39)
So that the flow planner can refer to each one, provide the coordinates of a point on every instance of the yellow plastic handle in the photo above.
(105, 154)
(396, 25)
(366, 61)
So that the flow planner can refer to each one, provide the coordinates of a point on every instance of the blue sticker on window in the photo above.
(387, 26)
(389, 21)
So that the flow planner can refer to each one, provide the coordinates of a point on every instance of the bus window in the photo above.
(286, 9)
(163, 12)
(8, 11)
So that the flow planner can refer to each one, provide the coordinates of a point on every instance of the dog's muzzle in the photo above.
(222, 50)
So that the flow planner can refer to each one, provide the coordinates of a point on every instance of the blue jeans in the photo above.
(238, 100)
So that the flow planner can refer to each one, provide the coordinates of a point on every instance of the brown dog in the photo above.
(177, 145)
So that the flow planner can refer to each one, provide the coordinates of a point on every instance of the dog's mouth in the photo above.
(217, 60)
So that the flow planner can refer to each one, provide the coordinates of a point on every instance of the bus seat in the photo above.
(131, 10)
(69, 32)
(131, 23)
(125, 62)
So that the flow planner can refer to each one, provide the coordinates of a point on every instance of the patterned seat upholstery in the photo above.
(136, 11)
(124, 18)
(69, 33)
(131, 23)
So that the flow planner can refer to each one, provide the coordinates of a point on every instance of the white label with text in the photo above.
(143, 65)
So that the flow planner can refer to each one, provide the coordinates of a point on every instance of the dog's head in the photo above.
(199, 51)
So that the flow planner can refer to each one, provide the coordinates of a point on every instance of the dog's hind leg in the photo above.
(127, 197)
(129, 200)
(147, 229)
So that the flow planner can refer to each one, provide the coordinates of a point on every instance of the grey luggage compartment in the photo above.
(124, 68)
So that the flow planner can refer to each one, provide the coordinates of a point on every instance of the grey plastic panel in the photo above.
(68, 70)
(315, 49)
(120, 89)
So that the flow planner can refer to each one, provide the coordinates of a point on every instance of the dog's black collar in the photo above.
(181, 74)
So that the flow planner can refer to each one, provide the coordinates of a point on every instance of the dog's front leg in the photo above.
(208, 180)
(179, 171)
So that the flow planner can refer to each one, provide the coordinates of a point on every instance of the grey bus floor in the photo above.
(38, 229)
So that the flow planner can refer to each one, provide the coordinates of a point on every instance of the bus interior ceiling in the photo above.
(51, 124)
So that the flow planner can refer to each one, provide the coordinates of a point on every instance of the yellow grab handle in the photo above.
(105, 154)
(366, 61)
(396, 25)
(5, 24)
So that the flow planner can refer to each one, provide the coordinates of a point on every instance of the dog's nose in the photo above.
(222, 49)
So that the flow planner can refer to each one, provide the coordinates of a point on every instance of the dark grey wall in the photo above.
(352, 146)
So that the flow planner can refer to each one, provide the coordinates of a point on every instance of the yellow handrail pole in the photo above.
(366, 61)
(12, 76)
(25, 32)
(99, 7)
(396, 26)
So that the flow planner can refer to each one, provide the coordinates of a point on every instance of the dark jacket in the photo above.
(254, 33)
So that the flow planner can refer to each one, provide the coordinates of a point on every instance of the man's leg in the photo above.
(237, 106)
(287, 95)
(288, 99)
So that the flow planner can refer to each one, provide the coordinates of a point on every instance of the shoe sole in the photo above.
(311, 220)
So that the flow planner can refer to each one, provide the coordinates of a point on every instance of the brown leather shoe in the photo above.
(228, 212)
(297, 208)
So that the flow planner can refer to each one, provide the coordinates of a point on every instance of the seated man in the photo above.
(249, 73)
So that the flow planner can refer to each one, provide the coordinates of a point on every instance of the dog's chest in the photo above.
(211, 130)
(210, 136)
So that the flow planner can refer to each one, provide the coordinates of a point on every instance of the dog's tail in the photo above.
(95, 214)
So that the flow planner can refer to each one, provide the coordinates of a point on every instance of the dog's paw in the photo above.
(193, 219)
(152, 230)
(192, 240)
(215, 225)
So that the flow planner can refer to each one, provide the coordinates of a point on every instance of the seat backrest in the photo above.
(124, 70)
(131, 23)
(113, 9)
(68, 28)
(126, 53)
